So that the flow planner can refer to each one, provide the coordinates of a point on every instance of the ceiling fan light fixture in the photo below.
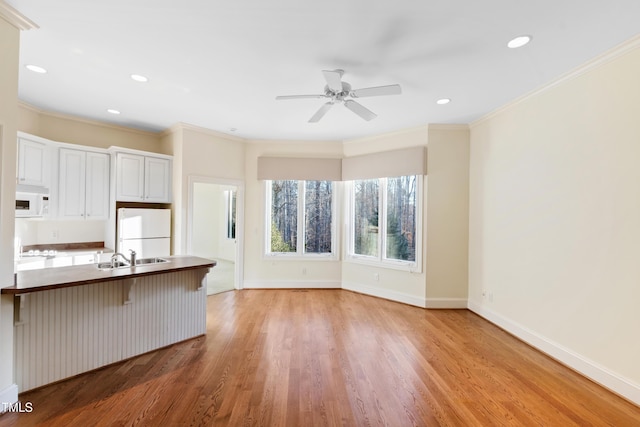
(35, 68)
(519, 42)
(340, 92)
(443, 101)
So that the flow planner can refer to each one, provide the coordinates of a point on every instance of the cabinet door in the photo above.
(32, 163)
(97, 186)
(72, 183)
(157, 180)
(129, 177)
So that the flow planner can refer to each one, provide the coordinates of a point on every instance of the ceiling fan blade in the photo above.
(321, 112)
(281, 97)
(360, 110)
(376, 91)
(334, 79)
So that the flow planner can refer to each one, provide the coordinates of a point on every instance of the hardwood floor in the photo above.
(331, 358)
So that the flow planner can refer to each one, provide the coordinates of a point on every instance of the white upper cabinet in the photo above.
(157, 179)
(84, 184)
(33, 163)
(143, 178)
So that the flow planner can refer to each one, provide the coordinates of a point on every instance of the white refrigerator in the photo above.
(146, 231)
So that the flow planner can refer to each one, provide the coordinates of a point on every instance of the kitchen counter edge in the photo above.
(64, 277)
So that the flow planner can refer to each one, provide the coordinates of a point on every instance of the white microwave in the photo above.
(31, 205)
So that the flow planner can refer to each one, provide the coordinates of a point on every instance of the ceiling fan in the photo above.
(340, 92)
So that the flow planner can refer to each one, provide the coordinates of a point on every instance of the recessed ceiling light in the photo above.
(139, 78)
(233, 129)
(443, 101)
(519, 42)
(113, 111)
(35, 69)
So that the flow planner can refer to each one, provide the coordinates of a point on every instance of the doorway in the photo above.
(214, 230)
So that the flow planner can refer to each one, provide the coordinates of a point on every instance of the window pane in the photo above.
(365, 217)
(401, 218)
(231, 214)
(317, 199)
(284, 216)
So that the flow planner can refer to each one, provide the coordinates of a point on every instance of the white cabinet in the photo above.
(84, 184)
(143, 178)
(33, 162)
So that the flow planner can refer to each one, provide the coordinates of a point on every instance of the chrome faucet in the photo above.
(133, 258)
(115, 256)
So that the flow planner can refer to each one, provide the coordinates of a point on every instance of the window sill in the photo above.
(409, 267)
(297, 257)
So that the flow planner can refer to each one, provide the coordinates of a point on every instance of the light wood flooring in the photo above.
(331, 358)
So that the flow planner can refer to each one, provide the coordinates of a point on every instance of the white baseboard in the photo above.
(447, 303)
(291, 284)
(384, 293)
(8, 395)
(590, 369)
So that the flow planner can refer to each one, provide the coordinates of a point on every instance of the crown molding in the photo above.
(448, 126)
(422, 128)
(186, 126)
(600, 60)
(15, 18)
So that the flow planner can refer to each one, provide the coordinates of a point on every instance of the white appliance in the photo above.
(31, 205)
(146, 231)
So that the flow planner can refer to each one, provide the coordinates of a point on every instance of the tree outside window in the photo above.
(310, 234)
(385, 219)
(401, 218)
(230, 201)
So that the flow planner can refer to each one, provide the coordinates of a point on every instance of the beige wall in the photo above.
(442, 281)
(265, 273)
(9, 49)
(555, 220)
(404, 286)
(447, 217)
(199, 152)
(74, 130)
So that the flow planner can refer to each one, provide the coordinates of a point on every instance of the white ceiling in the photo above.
(220, 64)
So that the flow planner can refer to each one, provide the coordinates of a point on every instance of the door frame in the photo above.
(198, 179)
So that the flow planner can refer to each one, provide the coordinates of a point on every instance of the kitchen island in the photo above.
(70, 320)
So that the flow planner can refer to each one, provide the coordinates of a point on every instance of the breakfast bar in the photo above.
(74, 319)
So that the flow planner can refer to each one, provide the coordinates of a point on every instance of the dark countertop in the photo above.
(79, 275)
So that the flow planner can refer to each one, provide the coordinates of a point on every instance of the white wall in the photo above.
(555, 220)
(209, 238)
(206, 220)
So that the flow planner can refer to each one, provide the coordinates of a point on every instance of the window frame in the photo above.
(300, 253)
(380, 260)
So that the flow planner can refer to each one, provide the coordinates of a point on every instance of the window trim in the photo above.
(380, 259)
(300, 254)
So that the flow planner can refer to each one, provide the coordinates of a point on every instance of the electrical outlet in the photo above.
(376, 276)
(304, 270)
(55, 234)
(484, 293)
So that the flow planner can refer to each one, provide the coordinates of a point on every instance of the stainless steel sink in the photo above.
(155, 260)
(109, 265)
